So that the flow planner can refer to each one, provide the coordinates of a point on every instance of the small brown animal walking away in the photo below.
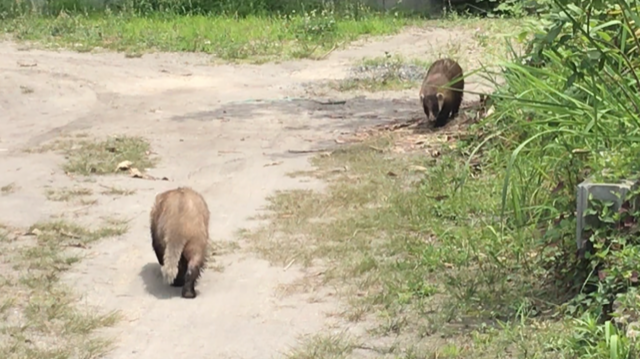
(440, 97)
(180, 236)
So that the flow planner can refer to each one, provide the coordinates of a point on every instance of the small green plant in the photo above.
(593, 340)
(67, 194)
(611, 247)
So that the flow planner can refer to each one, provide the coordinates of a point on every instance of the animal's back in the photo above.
(180, 236)
(440, 73)
(182, 212)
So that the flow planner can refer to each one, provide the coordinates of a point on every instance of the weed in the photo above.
(115, 191)
(26, 90)
(67, 194)
(324, 346)
(8, 189)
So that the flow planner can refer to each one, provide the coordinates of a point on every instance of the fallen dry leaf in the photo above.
(392, 174)
(135, 173)
(124, 165)
(273, 164)
(418, 168)
(35, 232)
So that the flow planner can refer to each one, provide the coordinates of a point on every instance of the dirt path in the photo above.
(224, 130)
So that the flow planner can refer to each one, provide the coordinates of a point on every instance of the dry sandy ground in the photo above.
(224, 130)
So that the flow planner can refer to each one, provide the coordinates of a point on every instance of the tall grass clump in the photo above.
(568, 109)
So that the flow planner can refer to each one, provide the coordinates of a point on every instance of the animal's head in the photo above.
(433, 103)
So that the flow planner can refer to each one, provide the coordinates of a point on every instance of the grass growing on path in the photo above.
(413, 257)
(38, 315)
(255, 38)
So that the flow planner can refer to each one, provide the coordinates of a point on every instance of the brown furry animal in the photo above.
(440, 97)
(180, 236)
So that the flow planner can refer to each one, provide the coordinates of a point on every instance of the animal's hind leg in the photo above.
(194, 253)
(193, 273)
(182, 272)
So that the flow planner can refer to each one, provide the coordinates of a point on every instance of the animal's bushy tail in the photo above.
(172, 254)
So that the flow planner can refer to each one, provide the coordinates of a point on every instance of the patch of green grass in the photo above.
(99, 157)
(255, 38)
(39, 315)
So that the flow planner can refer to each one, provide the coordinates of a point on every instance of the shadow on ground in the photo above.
(360, 111)
(333, 115)
(153, 284)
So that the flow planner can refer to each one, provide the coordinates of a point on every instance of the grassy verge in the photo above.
(39, 316)
(254, 38)
(408, 256)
